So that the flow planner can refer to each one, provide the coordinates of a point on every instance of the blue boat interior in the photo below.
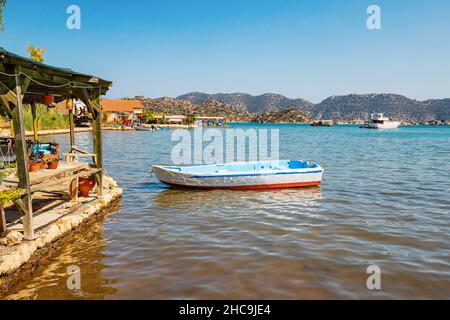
(245, 167)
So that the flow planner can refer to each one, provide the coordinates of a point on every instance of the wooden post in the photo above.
(94, 107)
(2, 220)
(72, 128)
(35, 121)
(97, 126)
(21, 159)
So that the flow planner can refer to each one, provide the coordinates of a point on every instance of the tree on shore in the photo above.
(2, 5)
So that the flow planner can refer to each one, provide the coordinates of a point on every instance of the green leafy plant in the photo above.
(36, 53)
(7, 166)
(10, 195)
(7, 170)
(149, 116)
(190, 119)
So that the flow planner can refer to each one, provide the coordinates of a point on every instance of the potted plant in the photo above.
(36, 53)
(48, 99)
(53, 164)
(35, 165)
(85, 185)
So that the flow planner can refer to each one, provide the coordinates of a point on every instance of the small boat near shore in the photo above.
(146, 128)
(323, 123)
(243, 175)
(379, 121)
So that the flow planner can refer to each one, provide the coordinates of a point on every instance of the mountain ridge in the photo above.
(267, 102)
(337, 107)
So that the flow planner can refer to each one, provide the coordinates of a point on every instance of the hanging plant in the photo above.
(36, 53)
(48, 99)
(10, 195)
(6, 170)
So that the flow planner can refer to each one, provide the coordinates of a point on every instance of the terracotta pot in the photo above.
(34, 166)
(48, 99)
(53, 165)
(85, 185)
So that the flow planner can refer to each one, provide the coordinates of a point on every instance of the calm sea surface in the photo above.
(385, 200)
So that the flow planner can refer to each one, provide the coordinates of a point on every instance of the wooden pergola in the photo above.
(25, 81)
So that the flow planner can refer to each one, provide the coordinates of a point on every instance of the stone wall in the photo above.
(15, 253)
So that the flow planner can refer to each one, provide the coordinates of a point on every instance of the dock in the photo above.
(37, 209)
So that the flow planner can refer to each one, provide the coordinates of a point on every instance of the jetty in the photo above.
(37, 209)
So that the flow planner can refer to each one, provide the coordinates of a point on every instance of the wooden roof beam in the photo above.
(4, 104)
(8, 98)
(90, 101)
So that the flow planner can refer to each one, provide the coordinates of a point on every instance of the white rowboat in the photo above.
(244, 175)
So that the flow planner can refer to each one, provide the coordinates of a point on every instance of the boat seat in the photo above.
(294, 164)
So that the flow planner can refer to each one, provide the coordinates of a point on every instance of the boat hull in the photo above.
(252, 187)
(145, 129)
(391, 125)
(241, 181)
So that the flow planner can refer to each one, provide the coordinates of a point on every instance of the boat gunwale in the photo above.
(246, 173)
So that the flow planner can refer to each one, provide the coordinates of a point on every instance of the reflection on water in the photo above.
(190, 199)
(83, 250)
(382, 202)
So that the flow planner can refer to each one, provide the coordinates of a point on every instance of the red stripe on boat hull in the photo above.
(262, 186)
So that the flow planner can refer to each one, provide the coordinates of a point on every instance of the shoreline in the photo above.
(6, 133)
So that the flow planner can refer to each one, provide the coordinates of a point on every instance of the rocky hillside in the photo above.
(359, 106)
(440, 108)
(209, 108)
(255, 104)
(292, 115)
(215, 108)
(339, 108)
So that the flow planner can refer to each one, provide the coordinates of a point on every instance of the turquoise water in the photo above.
(384, 200)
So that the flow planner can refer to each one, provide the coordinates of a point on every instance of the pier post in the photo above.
(70, 106)
(98, 144)
(93, 102)
(2, 220)
(21, 156)
(35, 121)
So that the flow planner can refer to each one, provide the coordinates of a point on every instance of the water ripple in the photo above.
(384, 200)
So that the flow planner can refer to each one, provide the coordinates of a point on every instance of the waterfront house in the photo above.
(120, 110)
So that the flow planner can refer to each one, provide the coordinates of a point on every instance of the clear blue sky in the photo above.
(310, 49)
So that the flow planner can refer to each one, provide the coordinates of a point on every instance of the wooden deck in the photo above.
(53, 191)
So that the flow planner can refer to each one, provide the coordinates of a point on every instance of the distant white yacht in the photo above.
(379, 121)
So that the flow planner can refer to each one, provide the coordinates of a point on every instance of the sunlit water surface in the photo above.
(385, 200)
